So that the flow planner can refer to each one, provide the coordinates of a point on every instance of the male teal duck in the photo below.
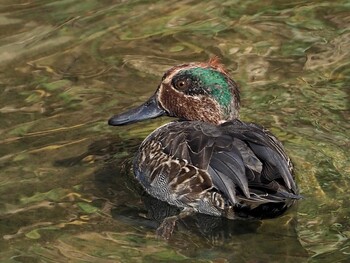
(209, 161)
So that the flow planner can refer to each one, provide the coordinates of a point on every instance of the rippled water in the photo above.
(66, 66)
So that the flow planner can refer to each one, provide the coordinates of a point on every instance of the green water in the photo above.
(67, 66)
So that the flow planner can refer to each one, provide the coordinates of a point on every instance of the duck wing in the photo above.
(256, 143)
(244, 161)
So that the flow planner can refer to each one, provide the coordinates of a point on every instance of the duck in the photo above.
(208, 161)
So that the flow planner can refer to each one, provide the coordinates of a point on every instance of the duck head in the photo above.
(194, 91)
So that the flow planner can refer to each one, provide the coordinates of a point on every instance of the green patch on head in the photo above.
(215, 83)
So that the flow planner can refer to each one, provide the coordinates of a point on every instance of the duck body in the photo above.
(233, 170)
(209, 161)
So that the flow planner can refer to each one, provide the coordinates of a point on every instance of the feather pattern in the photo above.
(216, 168)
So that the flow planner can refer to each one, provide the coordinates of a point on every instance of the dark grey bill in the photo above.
(149, 110)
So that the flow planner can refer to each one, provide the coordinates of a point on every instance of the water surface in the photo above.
(67, 194)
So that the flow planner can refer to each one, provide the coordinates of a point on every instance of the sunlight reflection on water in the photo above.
(65, 175)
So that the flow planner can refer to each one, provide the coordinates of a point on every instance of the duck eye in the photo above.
(182, 84)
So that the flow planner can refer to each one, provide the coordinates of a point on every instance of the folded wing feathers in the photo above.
(231, 167)
(228, 153)
(269, 156)
(224, 184)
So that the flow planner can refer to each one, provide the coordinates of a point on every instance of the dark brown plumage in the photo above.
(209, 162)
